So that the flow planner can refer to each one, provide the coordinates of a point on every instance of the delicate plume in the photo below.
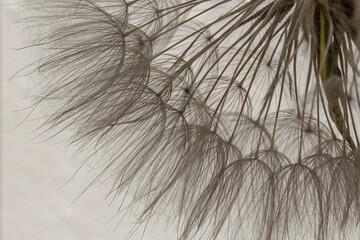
(239, 118)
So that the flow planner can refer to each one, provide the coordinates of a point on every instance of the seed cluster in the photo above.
(239, 117)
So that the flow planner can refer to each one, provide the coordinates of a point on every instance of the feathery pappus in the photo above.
(239, 118)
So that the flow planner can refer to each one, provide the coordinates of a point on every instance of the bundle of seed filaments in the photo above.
(237, 119)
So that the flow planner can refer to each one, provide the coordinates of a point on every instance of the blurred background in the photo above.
(39, 195)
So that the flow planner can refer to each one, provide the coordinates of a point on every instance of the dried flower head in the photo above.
(240, 117)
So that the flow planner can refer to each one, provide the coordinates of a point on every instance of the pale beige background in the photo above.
(34, 205)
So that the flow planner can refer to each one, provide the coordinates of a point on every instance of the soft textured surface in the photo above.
(36, 203)
(237, 119)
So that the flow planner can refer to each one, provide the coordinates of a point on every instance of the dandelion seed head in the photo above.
(241, 118)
